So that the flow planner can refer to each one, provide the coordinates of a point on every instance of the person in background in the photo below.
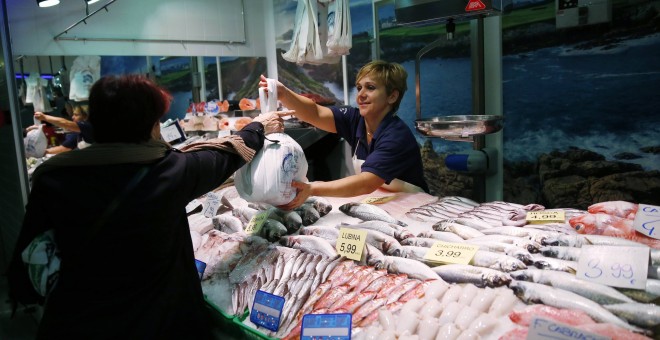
(72, 139)
(127, 262)
(81, 125)
(385, 152)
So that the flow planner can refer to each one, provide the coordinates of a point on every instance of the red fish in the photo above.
(617, 208)
(568, 316)
(610, 225)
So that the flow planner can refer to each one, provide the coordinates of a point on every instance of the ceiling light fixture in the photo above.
(89, 2)
(47, 3)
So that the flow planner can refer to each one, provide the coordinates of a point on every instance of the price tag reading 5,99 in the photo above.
(350, 243)
(445, 252)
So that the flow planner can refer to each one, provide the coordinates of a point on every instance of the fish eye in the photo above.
(579, 227)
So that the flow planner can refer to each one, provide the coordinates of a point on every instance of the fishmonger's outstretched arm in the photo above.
(306, 110)
(57, 121)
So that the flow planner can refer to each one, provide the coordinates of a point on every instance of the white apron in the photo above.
(396, 185)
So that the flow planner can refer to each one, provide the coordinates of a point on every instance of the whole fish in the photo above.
(383, 242)
(272, 230)
(550, 263)
(539, 293)
(227, 223)
(496, 261)
(580, 240)
(596, 292)
(368, 212)
(244, 213)
(440, 236)
(479, 276)
(412, 268)
(391, 229)
(610, 225)
(562, 252)
(571, 317)
(310, 244)
(291, 220)
(322, 205)
(645, 315)
(617, 208)
(373, 257)
(463, 231)
(650, 293)
(520, 242)
(308, 213)
(509, 249)
(419, 242)
(325, 232)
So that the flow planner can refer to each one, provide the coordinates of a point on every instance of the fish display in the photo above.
(519, 271)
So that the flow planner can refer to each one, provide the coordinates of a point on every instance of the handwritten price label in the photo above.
(378, 200)
(211, 205)
(256, 222)
(350, 243)
(192, 205)
(616, 266)
(445, 252)
(647, 220)
(545, 216)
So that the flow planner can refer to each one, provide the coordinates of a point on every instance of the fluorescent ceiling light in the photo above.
(89, 2)
(47, 3)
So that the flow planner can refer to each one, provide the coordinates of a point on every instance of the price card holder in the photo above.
(616, 266)
(546, 216)
(256, 222)
(266, 310)
(350, 243)
(173, 133)
(326, 326)
(447, 253)
(211, 205)
(378, 200)
(647, 220)
(544, 329)
(192, 205)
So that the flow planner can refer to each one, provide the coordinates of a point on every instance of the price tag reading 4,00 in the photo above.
(445, 252)
(350, 243)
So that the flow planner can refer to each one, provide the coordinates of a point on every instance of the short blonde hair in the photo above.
(392, 75)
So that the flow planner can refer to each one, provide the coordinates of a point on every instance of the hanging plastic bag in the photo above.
(340, 35)
(35, 143)
(40, 100)
(84, 72)
(267, 178)
(32, 82)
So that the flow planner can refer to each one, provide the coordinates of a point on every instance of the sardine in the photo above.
(479, 276)
(645, 315)
(496, 261)
(650, 293)
(596, 292)
(550, 263)
(368, 212)
(562, 252)
(539, 293)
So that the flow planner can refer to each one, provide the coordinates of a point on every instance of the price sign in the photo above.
(173, 133)
(350, 243)
(378, 200)
(546, 216)
(256, 222)
(647, 220)
(194, 204)
(266, 310)
(326, 326)
(445, 252)
(616, 266)
(540, 328)
(211, 205)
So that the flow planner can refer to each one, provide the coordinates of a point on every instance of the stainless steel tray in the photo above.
(456, 127)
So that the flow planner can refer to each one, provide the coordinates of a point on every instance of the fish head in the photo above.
(587, 223)
(346, 208)
(521, 275)
(519, 289)
(499, 280)
(549, 252)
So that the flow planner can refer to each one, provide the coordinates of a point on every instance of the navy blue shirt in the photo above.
(393, 153)
(71, 140)
(86, 131)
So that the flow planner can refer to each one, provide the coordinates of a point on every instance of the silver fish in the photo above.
(414, 253)
(322, 205)
(310, 244)
(550, 263)
(596, 292)
(580, 240)
(461, 230)
(562, 252)
(520, 242)
(650, 293)
(539, 293)
(645, 315)
(373, 257)
(498, 261)
(509, 249)
(419, 242)
(227, 223)
(391, 229)
(325, 232)
(383, 242)
(245, 213)
(440, 236)
(414, 269)
(368, 212)
(479, 276)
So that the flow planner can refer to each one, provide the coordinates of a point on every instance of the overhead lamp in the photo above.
(47, 3)
(89, 2)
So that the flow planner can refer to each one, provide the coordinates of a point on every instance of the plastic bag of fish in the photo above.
(267, 179)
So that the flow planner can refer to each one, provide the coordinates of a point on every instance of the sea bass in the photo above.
(368, 212)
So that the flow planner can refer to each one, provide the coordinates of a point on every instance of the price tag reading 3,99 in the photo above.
(445, 252)
(545, 216)
(350, 243)
(647, 220)
(256, 222)
(615, 266)
(378, 200)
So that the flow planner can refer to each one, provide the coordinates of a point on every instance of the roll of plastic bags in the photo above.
(267, 178)
(35, 143)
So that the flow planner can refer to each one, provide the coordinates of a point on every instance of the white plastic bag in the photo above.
(35, 143)
(267, 179)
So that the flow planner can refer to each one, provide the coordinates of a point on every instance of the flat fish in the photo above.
(368, 212)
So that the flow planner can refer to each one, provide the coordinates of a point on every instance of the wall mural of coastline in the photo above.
(581, 104)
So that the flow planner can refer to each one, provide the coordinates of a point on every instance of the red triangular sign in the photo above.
(474, 5)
